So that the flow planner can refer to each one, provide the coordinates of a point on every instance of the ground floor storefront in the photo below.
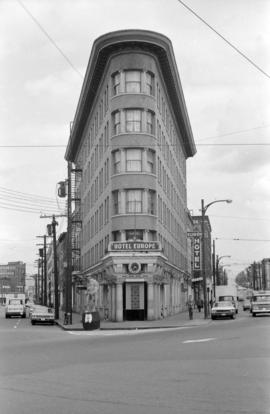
(141, 285)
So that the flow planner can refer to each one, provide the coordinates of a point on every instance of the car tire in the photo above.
(233, 316)
(253, 314)
(213, 317)
(33, 322)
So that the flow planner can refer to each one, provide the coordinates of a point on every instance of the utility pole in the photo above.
(214, 268)
(56, 299)
(45, 293)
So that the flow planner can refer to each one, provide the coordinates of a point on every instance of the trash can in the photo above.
(91, 320)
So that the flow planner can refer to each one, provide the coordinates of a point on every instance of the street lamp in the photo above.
(217, 265)
(203, 210)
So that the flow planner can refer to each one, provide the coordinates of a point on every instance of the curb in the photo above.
(135, 328)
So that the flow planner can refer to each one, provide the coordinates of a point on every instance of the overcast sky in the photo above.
(44, 50)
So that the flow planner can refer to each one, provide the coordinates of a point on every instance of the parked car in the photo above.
(223, 309)
(246, 305)
(42, 314)
(260, 303)
(230, 298)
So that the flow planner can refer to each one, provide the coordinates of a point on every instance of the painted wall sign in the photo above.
(134, 246)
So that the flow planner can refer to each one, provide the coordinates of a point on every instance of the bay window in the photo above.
(149, 83)
(116, 83)
(133, 81)
(150, 122)
(116, 162)
(150, 161)
(133, 159)
(116, 123)
(133, 120)
(116, 202)
(134, 201)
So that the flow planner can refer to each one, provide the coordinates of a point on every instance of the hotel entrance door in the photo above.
(134, 301)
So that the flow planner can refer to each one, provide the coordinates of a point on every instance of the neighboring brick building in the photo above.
(12, 278)
(129, 142)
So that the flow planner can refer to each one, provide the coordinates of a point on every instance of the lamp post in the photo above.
(217, 265)
(203, 211)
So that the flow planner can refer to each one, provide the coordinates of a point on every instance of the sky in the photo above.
(224, 67)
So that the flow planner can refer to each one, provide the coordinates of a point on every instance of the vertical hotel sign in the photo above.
(196, 236)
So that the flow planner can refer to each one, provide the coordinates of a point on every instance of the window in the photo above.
(116, 236)
(151, 202)
(133, 120)
(149, 83)
(133, 81)
(134, 201)
(116, 197)
(134, 235)
(150, 161)
(116, 162)
(116, 83)
(150, 122)
(116, 123)
(133, 160)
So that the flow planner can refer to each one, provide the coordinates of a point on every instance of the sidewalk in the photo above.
(175, 321)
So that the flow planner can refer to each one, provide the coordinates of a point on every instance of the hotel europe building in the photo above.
(128, 147)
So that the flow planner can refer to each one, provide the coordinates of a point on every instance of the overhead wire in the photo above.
(49, 38)
(26, 196)
(224, 39)
(24, 202)
(232, 133)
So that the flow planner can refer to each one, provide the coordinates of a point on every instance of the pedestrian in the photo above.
(190, 307)
(199, 304)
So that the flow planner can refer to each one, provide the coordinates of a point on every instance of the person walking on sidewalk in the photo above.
(199, 304)
(190, 305)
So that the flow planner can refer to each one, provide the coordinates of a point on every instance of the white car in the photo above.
(42, 314)
(223, 309)
(15, 307)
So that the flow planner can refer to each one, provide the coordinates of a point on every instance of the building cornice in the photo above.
(142, 40)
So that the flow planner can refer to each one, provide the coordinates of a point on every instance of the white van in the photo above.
(15, 307)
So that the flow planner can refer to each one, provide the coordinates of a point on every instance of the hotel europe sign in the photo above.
(134, 246)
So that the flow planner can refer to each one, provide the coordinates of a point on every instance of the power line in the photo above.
(8, 190)
(223, 38)
(238, 239)
(23, 210)
(32, 146)
(233, 133)
(17, 197)
(152, 146)
(242, 218)
(49, 37)
(258, 144)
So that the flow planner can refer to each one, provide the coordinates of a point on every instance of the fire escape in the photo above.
(76, 218)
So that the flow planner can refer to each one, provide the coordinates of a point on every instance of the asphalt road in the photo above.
(220, 368)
